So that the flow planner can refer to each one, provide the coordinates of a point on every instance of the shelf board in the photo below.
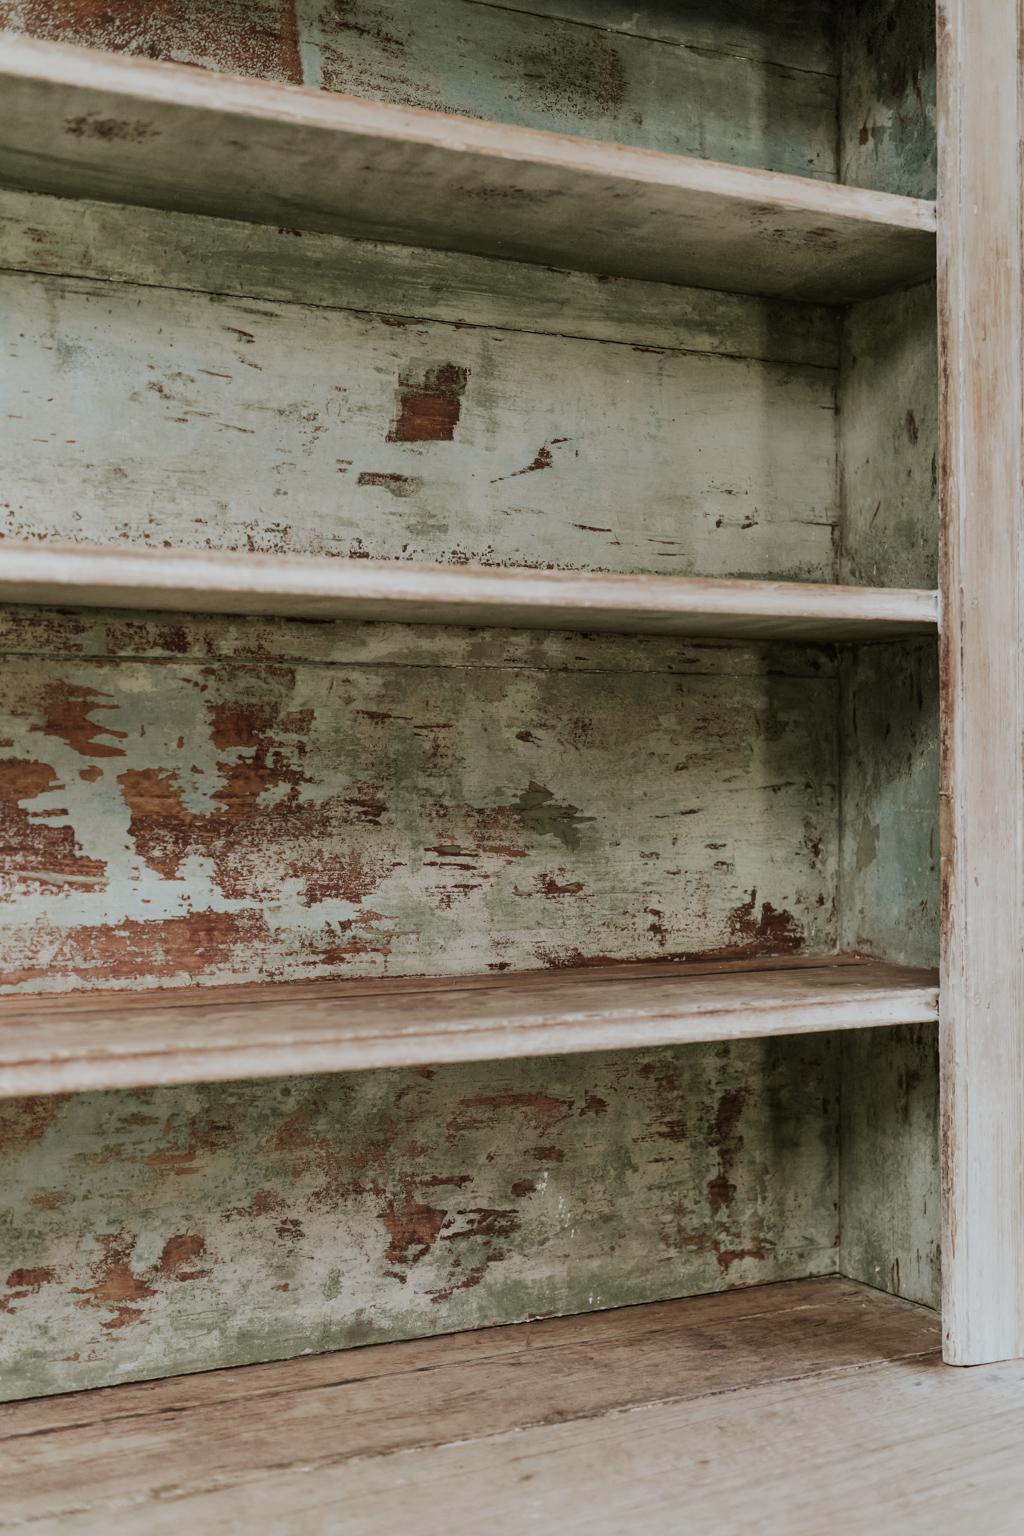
(83, 123)
(397, 590)
(67, 1044)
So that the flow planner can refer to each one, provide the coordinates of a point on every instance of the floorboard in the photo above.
(798, 1408)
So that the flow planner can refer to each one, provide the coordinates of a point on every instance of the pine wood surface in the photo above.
(818, 1405)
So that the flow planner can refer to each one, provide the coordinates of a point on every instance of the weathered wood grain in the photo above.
(179, 1229)
(982, 411)
(888, 441)
(96, 576)
(175, 818)
(148, 246)
(890, 895)
(56, 1045)
(754, 85)
(885, 1447)
(212, 1431)
(163, 417)
(344, 165)
(887, 95)
(889, 1174)
(889, 901)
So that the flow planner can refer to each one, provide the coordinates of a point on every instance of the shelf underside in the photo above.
(83, 123)
(59, 1044)
(207, 582)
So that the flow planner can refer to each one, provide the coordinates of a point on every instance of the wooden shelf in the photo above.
(66, 1044)
(83, 123)
(293, 587)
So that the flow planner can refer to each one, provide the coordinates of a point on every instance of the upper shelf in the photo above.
(83, 123)
(62, 1044)
(205, 581)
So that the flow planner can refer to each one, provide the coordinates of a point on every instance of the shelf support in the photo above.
(981, 260)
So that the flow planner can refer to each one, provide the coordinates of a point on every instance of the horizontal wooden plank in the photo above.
(169, 419)
(756, 87)
(149, 247)
(89, 124)
(322, 588)
(212, 1431)
(892, 1445)
(48, 1046)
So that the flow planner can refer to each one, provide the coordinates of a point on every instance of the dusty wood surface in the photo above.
(48, 1048)
(170, 1230)
(982, 409)
(751, 82)
(103, 125)
(79, 576)
(833, 1392)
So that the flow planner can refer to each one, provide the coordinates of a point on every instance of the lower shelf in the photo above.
(210, 581)
(812, 1406)
(65, 1044)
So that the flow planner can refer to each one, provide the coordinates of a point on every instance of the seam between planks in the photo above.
(669, 42)
(238, 295)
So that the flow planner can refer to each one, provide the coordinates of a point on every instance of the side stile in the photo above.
(982, 409)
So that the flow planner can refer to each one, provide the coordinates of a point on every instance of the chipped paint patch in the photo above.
(428, 404)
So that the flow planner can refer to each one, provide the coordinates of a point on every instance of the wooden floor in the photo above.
(818, 1406)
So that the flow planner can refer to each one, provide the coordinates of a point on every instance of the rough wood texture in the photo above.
(97, 125)
(234, 583)
(888, 441)
(60, 1045)
(889, 898)
(189, 419)
(981, 326)
(216, 803)
(890, 894)
(887, 113)
(828, 1392)
(889, 1196)
(750, 83)
(174, 1230)
(149, 247)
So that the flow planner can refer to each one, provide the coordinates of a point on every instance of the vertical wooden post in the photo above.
(981, 343)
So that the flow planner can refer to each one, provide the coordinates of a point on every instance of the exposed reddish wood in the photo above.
(429, 404)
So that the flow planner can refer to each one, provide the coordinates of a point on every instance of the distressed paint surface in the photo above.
(889, 1161)
(888, 441)
(219, 801)
(150, 246)
(390, 809)
(159, 416)
(889, 907)
(887, 96)
(670, 77)
(178, 1230)
(889, 880)
(889, 861)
